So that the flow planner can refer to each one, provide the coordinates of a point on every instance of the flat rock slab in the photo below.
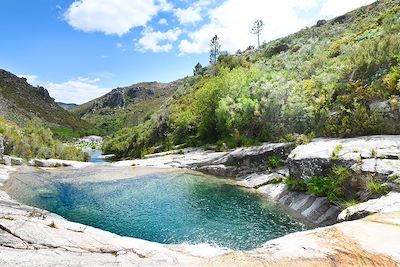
(388, 203)
(256, 180)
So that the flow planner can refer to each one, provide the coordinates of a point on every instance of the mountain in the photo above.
(338, 78)
(67, 106)
(20, 102)
(126, 106)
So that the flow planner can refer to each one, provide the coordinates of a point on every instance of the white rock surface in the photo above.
(52, 163)
(315, 210)
(256, 180)
(388, 203)
(371, 153)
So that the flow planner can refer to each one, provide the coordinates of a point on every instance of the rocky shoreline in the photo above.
(33, 237)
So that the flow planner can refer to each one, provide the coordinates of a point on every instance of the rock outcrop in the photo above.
(378, 154)
(314, 210)
(385, 204)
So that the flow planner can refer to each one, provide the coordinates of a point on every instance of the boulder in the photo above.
(389, 108)
(13, 161)
(368, 154)
(320, 22)
(219, 170)
(251, 156)
(255, 180)
(388, 203)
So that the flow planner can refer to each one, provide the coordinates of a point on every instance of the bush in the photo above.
(36, 141)
(296, 185)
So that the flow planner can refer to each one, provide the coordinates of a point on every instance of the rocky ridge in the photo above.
(20, 102)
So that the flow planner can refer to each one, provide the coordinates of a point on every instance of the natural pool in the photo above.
(165, 207)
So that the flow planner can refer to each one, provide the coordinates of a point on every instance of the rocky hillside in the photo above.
(67, 106)
(127, 106)
(20, 102)
(338, 78)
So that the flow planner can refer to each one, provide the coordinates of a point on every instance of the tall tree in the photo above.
(215, 48)
(257, 28)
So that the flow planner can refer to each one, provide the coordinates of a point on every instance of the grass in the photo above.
(336, 151)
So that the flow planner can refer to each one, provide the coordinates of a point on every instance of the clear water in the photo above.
(168, 208)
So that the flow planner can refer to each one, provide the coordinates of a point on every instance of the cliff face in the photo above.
(20, 101)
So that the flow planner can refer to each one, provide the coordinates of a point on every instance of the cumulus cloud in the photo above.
(113, 16)
(158, 41)
(78, 91)
(188, 15)
(163, 22)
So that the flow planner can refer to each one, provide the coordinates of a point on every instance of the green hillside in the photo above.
(20, 102)
(337, 78)
(126, 106)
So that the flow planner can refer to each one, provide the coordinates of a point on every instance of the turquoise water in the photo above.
(170, 208)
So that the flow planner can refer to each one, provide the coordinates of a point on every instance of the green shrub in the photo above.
(275, 162)
(295, 185)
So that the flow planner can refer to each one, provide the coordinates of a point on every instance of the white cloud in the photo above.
(163, 22)
(332, 8)
(188, 15)
(235, 33)
(78, 91)
(157, 41)
(113, 16)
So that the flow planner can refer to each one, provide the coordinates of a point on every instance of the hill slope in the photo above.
(338, 78)
(67, 106)
(20, 102)
(126, 106)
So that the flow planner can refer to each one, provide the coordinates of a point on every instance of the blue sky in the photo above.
(81, 49)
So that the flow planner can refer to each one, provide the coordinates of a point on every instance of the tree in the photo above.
(257, 28)
(198, 69)
(215, 49)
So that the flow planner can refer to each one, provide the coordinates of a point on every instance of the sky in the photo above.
(81, 49)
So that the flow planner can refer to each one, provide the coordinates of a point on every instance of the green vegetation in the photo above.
(332, 186)
(377, 188)
(317, 82)
(69, 134)
(36, 141)
(336, 151)
(275, 162)
(296, 185)
(336, 187)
